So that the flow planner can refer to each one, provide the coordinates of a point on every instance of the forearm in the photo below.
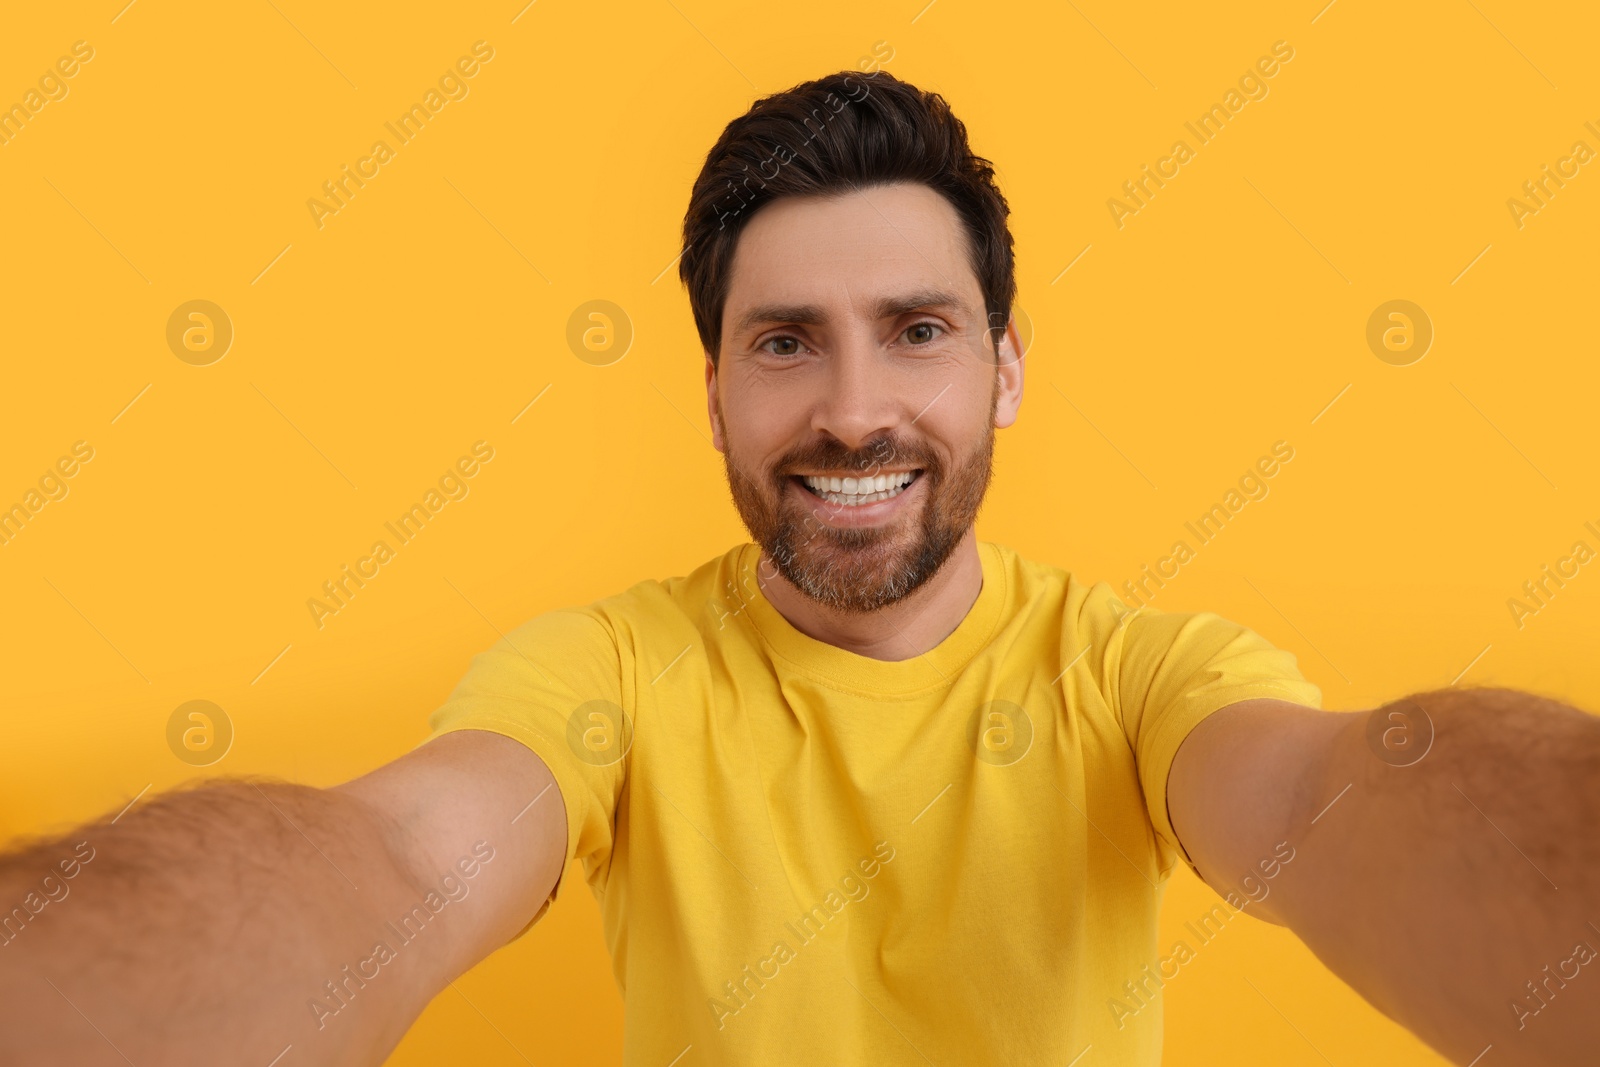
(206, 926)
(1459, 891)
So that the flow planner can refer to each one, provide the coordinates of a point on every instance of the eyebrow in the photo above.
(812, 315)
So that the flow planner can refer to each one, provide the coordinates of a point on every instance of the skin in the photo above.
(1438, 889)
(208, 918)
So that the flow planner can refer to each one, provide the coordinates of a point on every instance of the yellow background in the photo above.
(426, 314)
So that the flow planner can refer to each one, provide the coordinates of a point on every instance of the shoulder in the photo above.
(684, 598)
(591, 648)
(1098, 635)
(1085, 607)
(650, 609)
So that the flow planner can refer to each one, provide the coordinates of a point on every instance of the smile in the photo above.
(854, 492)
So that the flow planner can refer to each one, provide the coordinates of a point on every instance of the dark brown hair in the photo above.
(843, 132)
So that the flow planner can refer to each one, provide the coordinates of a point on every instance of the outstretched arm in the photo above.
(1445, 856)
(228, 923)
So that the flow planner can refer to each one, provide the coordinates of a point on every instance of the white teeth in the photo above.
(856, 491)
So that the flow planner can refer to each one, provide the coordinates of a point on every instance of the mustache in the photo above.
(829, 453)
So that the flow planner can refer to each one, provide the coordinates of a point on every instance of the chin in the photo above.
(861, 570)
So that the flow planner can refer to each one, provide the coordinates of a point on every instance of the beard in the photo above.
(858, 569)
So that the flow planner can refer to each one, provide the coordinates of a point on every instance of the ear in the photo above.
(717, 440)
(1009, 372)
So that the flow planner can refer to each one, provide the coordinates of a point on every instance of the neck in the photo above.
(902, 630)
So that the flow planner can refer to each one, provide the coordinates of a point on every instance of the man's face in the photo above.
(858, 390)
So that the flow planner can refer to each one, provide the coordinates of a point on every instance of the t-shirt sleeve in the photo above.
(555, 684)
(1177, 668)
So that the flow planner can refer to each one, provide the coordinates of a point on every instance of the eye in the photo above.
(923, 333)
(782, 340)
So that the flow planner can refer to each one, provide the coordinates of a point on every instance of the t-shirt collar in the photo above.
(841, 668)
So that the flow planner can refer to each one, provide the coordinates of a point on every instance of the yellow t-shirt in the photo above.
(803, 855)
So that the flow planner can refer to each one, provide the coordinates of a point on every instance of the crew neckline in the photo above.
(843, 669)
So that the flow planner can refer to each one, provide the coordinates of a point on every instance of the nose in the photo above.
(860, 400)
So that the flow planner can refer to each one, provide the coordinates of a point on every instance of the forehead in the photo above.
(847, 252)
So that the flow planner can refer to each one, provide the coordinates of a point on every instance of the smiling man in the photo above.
(865, 790)
(863, 403)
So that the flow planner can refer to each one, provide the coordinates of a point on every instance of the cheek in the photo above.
(954, 429)
(760, 424)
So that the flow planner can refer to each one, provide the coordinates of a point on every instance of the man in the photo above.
(866, 790)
